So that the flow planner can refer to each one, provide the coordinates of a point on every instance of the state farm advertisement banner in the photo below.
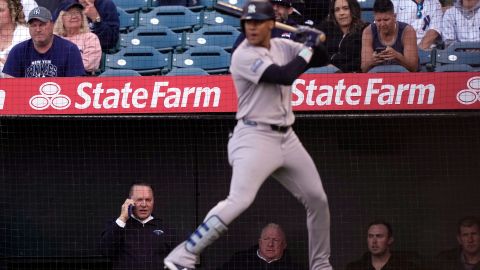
(194, 94)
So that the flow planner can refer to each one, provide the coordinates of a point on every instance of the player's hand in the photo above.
(90, 10)
(310, 37)
(124, 212)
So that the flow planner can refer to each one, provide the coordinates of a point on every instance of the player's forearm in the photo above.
(286, 74)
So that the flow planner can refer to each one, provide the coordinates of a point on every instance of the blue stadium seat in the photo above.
(208, 4)
(216, 18)
(127, 20)
(221, 35)
(177, 18)
(323, 70)
(367, 15)
(119, 73)
(212, 59)
(366, 4)
(459, 56)
(143, 59)
(388, 69)
(238, 3)
(157, 36)
(426, 60)
(186, 71)
(131, 5)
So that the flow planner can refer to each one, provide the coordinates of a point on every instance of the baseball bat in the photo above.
(237, 12)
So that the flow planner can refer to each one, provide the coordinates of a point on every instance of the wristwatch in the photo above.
(98, 19)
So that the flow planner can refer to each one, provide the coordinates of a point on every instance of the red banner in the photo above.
(193, 94)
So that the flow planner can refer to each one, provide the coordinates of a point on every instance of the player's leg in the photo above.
(299, 175)
(253, 158)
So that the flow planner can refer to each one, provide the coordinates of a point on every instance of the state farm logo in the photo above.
(49, 96)
(472, 94)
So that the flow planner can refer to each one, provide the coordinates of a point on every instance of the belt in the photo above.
(281, 129)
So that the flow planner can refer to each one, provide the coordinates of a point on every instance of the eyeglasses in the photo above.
(419, 9)
(71, 14)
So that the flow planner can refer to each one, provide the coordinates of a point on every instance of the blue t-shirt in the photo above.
(63, 59)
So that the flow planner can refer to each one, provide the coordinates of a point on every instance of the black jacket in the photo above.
(451, 260)
(344, 52)
(396, 262)
(138, 246)
(249, 260)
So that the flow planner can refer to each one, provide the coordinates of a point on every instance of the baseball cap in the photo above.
(72, 4)
(41, 14)
(286, 3)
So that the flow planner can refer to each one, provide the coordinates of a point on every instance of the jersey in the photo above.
(61, 60)
(259, 101)
(430, 16)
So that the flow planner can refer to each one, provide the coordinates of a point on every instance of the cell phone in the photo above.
(380, 49)
(131, 207)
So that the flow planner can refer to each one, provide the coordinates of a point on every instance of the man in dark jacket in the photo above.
(136, 239)
(270, 253)
(467, 255)
(102, 18)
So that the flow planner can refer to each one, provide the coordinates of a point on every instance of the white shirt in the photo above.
(431, 18)
(460, 25)
(28, 5)
(20, 34)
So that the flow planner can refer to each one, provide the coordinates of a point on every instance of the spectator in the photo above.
(72, 25)
(44, 54)
(270, 253)
(343, 28)
(462, 22)
(425, 16)
(102, 17)
(136, 239)
(379, 255)
(12, 28)
(467, 255)
(388, 42)
(283, 9)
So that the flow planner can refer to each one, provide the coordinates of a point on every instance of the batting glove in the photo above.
(310, 37)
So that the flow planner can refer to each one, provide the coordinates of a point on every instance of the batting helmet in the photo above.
(260, 10)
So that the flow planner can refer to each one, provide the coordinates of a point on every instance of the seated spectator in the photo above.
(270, 253)
(12, 29)
(343, 28)
(425, 16)
(380, 256)
(462, 22)
(467, 255)
(388, 42)
(44, 54)
(72, 25)
(102, 18)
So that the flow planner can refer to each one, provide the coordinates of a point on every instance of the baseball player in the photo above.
(263, 142)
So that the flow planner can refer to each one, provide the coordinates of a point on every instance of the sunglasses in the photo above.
(419, 9)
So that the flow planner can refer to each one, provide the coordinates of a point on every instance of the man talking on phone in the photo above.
(136, 239)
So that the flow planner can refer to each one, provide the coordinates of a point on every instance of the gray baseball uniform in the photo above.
(264, 144)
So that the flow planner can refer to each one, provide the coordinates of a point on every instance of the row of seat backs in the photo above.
(146, 60)
(177, 18)
(138, 5)
(174, 72)
(164, 39)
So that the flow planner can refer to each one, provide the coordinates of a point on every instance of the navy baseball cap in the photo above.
(286, 3)
(41, 14)
(72, 4)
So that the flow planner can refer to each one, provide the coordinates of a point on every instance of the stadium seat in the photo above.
(177, 18)
(119, 73)
(238, 3)
(367, 15)
(323, 70)
(216, 18)
(366, 4)
(459, 56)
(426, 60)
(388, 69)
(157, 36)
(212, 59)
(131, 5)
(143, 59)
(208, 4)
(220, 35)
(186, 71)
(127, 20)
